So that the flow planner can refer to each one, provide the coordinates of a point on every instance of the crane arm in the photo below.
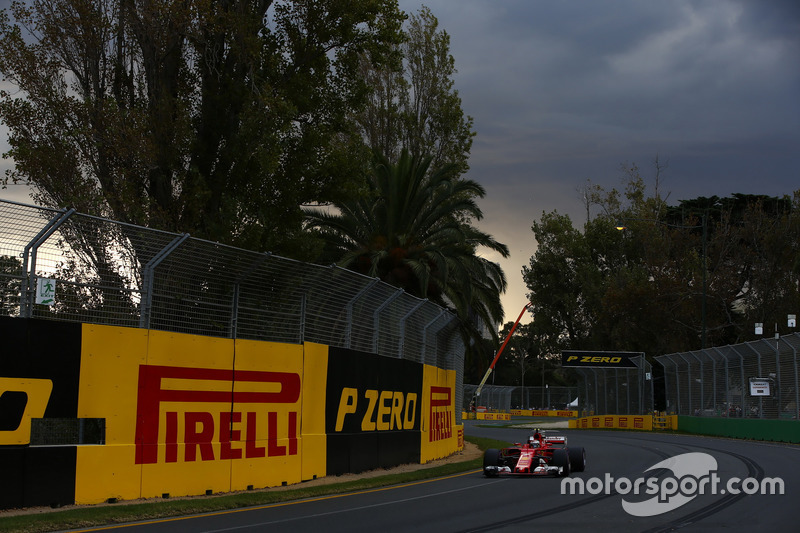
(497, 356)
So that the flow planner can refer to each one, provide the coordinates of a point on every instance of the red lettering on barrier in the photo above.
(199, 438)
(172, 438)
(250, 448)
(638, 423)
(441, 414)
(609, 422)
(199, 427)
(228, 434)
(623, 421)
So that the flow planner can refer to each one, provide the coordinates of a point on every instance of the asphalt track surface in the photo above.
(469, 502)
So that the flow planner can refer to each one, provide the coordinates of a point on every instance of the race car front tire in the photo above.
(560, 458)
(577, 459)
(491, 457)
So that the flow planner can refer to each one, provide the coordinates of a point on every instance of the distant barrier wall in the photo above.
(752, 429)
(566, 413)
(92, 412)
(485, 416)
(633, 422)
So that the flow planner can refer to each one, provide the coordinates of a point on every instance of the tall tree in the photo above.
(217, 118)
(10, 281)
(706, 268)
(409, 231)
(414, 104)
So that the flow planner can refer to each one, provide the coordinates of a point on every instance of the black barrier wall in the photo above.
(372, 411)
(34, 352)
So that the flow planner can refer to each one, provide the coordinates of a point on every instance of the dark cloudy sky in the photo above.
(566, 91)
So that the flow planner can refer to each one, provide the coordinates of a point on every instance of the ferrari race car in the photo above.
(540, 456)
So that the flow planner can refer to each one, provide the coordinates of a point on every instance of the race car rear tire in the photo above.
(560, 458)
(577, 459)
(491, 457)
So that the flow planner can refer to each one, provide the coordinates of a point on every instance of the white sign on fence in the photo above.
(45, 291)
(759, 387)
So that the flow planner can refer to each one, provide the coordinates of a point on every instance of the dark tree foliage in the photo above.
(215, 118)
(643, 288)
(409, 230)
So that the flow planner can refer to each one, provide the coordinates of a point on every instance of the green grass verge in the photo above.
(92, 516)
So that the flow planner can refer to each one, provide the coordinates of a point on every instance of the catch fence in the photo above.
(617, 391)
(65, 265)
(505, 397)
(757, 379)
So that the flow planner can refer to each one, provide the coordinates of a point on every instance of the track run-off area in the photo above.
(616, 461)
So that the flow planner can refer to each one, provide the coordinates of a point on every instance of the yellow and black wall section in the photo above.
(89, 413)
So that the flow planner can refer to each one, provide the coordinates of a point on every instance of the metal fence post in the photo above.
(741, 378)
(401, 348)
(349, 310)
(376, 317)
(702, 383)
(425, 334)
(237, 292)
(760, 398)
(27, 299)
(148, 279)
(796, 381)
(727, 381)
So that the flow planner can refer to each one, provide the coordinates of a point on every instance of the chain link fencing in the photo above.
(65, 265)
(617, 391)
(505, 397)
(757, 379)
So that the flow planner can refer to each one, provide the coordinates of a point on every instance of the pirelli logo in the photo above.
(378, 410)
(441, 414)
(21, 400)
(247, 414)
(575, 358)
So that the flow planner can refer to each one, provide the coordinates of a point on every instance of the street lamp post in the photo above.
(704, 225)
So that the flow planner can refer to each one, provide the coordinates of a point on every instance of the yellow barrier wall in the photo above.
(492, 416)
(110, 359)
(188, 415)
(178, 423)
(314, 442)
(637, 422)
(439, 435)
(564, 413)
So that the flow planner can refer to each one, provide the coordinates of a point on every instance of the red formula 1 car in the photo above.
(540, 456)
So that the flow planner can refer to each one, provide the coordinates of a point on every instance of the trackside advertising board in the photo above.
(383, 411)
(197, 414)
(38, 380)
(578, 358)
(185, 414)
(372, 411)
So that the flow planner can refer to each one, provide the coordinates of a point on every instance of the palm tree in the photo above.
(413, 229)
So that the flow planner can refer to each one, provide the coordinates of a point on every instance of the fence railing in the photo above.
(105, 272)
(757, 379)
(506, 397)
(617, 391)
